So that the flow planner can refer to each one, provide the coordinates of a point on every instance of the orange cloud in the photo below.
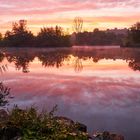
(109, 13)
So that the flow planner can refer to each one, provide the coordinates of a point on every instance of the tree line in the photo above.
(20, 36)
(98, 37)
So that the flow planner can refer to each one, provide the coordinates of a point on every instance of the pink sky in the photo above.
(95, 13)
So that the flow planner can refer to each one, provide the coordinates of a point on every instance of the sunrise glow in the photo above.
(101, 14)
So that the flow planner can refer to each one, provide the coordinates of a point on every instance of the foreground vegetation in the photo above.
(4, 94)
(28, 124)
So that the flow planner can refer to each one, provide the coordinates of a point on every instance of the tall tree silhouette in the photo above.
(77, 28)
(19, 36)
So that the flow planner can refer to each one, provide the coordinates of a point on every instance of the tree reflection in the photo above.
(1, 56)
(21, 61)
(4, 67)
(53, 59)
(58, 57)
(134, 65)
(78, 65)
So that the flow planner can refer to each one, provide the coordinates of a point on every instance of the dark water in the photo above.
(99, 87)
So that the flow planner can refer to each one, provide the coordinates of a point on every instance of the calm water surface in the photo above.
(99, 87)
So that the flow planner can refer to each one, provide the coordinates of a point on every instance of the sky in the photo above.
(100, 14)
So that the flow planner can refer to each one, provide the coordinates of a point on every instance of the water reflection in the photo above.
(56, 58)
(99, 87)
(53, 58)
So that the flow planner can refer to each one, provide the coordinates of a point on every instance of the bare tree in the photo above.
(78, 24)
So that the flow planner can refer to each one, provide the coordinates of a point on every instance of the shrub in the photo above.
(44, 126)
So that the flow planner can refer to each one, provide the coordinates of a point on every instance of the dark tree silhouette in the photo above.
(133, 38)
(98, 37)
(53, 37)
(1, 56)
(19, 36)
(134, 33)
(1, 37)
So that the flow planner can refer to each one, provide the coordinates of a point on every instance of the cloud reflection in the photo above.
(105, 95)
